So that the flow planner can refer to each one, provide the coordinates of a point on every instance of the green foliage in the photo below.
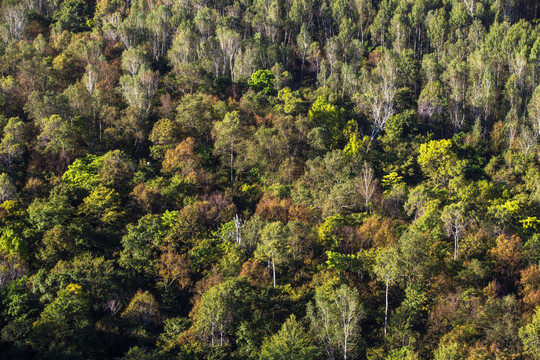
(70, 306)
(12, 146)
(439, 163)
(72, 15)
(262, 81)
(326, 117)
(334, 319)
(530, 335)
(291, 342)
(8, 191)
(162, 161)
(84, 172)
(220, 309)
(143, 309)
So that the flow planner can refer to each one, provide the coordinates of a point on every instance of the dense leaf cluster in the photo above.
(269, 179)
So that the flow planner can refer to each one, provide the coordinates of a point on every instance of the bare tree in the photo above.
(11, 268)
(334, 319)
(527, 140)
(368, 183)
(229, 40)
(15, 19)
(380, 92)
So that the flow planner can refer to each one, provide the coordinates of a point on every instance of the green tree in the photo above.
(159, 25)
(455, 223)
(70, 306)
(8, 191)
(273, 245)
(57, 136)
(291, 342)
(140, 245)
(328, 120)
(15, 20)
(72, 15)
(12, 146)
(103, 207)
(439, 163)
(530, 335)
(379, 93)
(143, 309)
(229, 41)
(387, 269)
(334, 319)
(64, 327)
(262, 81)
(304, 41)
(228, 134)
(117, 169)
(219, 308)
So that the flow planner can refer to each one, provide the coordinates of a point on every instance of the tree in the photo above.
(143, 308)
(140, 245)
(227, 134)
(63, 327)
(304, 41)
(331, 185)
(387, 269)
(534, 110)
(14, 16)
(12, 267)
(173, 268)
(133, 59)
(455, 223)
(368, 184)
(431, 101)
(219, 308)
(291, 342)
(57, 136)
(183, 159)
(72, 16)
(102, 206)
(158, 24)
(530, 335)
(437, 29)
(163, 136)
(334, 318)
(438, 162)
(262, 81)
(229, 41)
(8, 191)
(415, 255)
(328, 119)
(455, 78)
(117, 169)
(139, 90)
(380, 92)
(273, 246)
(379, 27)
(196, 114)
(364, 13)
(70, 306)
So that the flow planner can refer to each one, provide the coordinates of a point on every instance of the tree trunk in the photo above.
(232, 160)
(456, 240)
(274, 270)
(386, 307)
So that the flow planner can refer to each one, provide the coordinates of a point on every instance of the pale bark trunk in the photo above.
(274, 270)
(386, 308)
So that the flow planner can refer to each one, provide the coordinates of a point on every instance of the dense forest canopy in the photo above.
(270, 179)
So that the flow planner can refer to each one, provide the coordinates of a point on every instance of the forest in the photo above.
(270, 179)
